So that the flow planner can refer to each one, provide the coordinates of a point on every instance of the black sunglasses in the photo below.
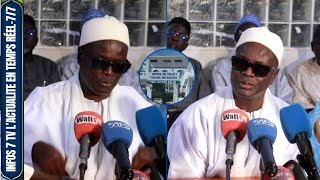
(182, 36)
(258, 70)
(101, 64)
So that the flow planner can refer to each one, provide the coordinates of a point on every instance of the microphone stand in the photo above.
(312, 174)
(84, 154)
(228, 169)
(230, 151)
(82, 168)
(306, 158)
(123, 169)
(262, 170)
(159, 145)
(124, 173)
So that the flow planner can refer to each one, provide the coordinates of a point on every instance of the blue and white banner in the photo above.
(11, 89)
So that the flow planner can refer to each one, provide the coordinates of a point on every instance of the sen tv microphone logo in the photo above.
(232, 116)
(117, 124)
(262, 121)
(88, 119)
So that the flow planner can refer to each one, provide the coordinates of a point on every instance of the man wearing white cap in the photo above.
(196, 146)
(49, 112)
(221, 68)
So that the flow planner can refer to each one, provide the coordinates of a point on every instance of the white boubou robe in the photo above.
(49, 114)
(196, 146)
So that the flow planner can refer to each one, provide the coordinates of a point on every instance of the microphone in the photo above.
(262, 133)
(317, 130)
(87, 129)
(117, 137)
(152, 128)
(282, 174)
(234, 124)
(297, 128)
(296, 170)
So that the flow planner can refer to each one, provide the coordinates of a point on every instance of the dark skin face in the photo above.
(315, 46)
(97, 85)
(174, 42)
(249, 90)
(28, 42)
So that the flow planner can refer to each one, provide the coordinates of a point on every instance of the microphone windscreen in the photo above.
(260, 127)
(151, 123)
(116, 131)
(317, 130)
(282, 174)
(234, 120)
(88, 122)
(294, 120)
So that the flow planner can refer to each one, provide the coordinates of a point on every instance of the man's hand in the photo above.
(39, 175)
(145, 155)
(48, 159)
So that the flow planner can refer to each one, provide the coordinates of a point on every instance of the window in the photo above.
(213, 22)
(58, 21)
(166, 60)
(178, 60)
(153, 60)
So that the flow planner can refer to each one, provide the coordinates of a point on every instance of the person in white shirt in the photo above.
(49, 112)
(304, 77)
(221, 68)
(196, 146)
(68, 65)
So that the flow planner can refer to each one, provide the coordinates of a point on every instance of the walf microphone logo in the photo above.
(88, 119)
(234, 117)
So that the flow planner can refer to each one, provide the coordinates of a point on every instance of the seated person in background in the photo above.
(68, 65)
(49, 112)
(178, 36)
(221, 69)
(38, 70)
(196, 146)
(305, 77)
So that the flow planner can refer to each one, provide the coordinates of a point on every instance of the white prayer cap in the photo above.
(104, 28)
(263, 36)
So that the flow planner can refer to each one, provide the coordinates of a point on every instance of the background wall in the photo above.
(204, 55)
(213, 23)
